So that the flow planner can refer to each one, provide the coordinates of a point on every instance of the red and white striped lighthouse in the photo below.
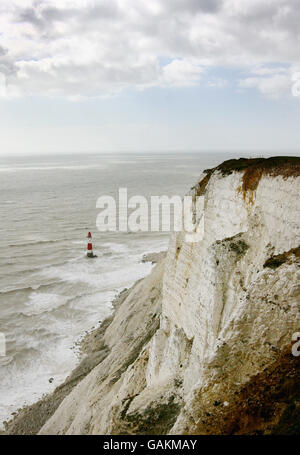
(90, 253)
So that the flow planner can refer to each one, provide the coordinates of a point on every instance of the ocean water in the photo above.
(50, 293)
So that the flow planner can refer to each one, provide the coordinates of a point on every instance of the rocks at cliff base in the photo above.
(154, 257)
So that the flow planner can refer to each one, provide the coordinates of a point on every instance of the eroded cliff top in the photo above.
(275, 165)
(253, 169)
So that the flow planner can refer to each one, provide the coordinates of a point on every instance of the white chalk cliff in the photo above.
(211, 316)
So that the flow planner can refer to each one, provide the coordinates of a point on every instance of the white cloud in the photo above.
(217, 82)
(181, 72)
(2, 85)
(274, 86)
(296, 83)
(79, 48)
(265, 71)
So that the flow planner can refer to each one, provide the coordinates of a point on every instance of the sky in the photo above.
(149, 75)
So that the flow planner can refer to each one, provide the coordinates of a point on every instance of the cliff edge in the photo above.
(203, 344)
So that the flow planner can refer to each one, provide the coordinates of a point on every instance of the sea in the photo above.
(50, 292)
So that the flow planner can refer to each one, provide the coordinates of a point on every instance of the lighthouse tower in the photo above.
(90, 253)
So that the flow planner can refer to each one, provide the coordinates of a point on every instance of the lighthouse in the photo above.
(90, 253)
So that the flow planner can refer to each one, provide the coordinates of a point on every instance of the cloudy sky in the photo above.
(101, 75)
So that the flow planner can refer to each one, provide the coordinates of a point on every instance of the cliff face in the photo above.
(228, 295)
(203, 344)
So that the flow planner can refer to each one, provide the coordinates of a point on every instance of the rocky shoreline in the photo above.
(29, 419)
(92, 350)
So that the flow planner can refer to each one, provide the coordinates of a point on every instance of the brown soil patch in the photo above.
(200, 187)
(268, 404)
(276, 261)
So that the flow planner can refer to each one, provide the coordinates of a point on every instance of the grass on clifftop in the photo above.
(254, 169)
